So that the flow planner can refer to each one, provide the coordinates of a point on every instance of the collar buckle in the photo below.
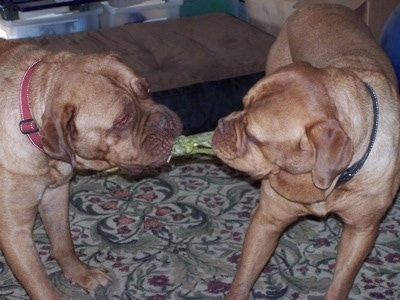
(28, 126)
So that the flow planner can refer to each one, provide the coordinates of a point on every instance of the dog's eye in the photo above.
(123, 121)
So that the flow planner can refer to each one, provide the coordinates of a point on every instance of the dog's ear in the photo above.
(57, 130)
(114, 68)
(119, 72)
(261, 89)
(141, 87)
(248, 98)
(278, 81)
(333, 151)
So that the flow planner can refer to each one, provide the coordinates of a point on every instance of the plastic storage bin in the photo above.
(200, 7)
(124, 3)
(73, 21)
(152, 10)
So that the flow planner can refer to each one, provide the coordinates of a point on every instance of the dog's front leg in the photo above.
(361, 219)
(17, 216)
(270, 219)
(355, 244)
(54, 211)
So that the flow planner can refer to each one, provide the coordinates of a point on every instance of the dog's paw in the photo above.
(89, 277)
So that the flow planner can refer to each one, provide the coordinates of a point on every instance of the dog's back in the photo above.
(348, 41)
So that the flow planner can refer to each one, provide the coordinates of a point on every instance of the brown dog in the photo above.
(321, 131)
(81, 112)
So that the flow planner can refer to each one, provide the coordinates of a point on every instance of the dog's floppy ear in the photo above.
(141, 87)
(57, 130)
(333, 151)
(263, 87)
(114, 68)
(276, 82)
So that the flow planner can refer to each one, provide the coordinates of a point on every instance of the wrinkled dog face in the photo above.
(241, 141)
(265, 133)
(287, 126)
(102, 116)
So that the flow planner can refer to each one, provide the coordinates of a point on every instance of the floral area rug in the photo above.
(178, 233)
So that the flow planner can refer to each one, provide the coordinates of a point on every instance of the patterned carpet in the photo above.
(177, 234)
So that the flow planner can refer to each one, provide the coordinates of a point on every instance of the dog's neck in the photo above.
(350, 172)
(27, 125)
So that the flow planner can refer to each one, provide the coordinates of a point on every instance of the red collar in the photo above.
(27, 125)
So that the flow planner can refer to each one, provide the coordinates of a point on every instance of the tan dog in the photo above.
(321, 131)
(91, 112)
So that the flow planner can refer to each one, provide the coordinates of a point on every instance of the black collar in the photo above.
(350, 172)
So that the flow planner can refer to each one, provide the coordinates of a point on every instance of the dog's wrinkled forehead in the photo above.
(106, 66)
(101, 96)
(101, 75)
(284, 103)
(266, 120)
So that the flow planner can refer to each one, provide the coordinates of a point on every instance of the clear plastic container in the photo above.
(152, 10)
(53, 23)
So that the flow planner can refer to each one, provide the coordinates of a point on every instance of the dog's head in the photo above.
(100, 114)
(288, 133)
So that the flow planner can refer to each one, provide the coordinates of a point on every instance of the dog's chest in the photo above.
(317, 209)
(60, 173)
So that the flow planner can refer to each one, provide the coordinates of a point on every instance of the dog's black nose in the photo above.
(162, 120)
